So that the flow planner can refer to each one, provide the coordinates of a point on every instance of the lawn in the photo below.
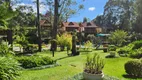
(71, 66)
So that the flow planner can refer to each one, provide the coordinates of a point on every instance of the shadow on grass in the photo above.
(63, 58)
(131, 77)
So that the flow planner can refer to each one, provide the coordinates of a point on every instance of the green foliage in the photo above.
(34, 61)
(111, 55)
(137, 44)
(136, 53)
(5, 49)
(30, 48)
(94, 65)
(88, 45)
(112, 48)
(118, 37)
(8, 68)
(119, 14)
(5, 15)
(133, 50)
(134, 68)
(65, 40)
(138, 6)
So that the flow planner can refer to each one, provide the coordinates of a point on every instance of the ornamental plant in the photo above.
(9, 68)
(94, 65)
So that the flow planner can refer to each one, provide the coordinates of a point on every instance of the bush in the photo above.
(30, 48)
(34, 61)
(136, 53)
(88, 46)
(111, 55)
(118, 37)
(137, 44)
(134, 68)
(5, 49)
(123, 52)
(112, 48)
(8, 68)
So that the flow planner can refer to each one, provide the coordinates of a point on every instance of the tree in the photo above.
(5, 15)
(65, 40)
(118, 37)
(62, 10)
(138, 25)
(84, 19)
(119, 14)
(66, 9)
(99, 20)
(25, 17)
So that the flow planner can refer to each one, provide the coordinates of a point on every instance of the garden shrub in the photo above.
(111, 55)
(88, 46)
(134, 68)
(137, 44)
(65, 40)
(136, 53)
(118, 37)
(34, 61)
(123, 52)
(30, 48)
(8, 68)
(5, 49)
(112, 48)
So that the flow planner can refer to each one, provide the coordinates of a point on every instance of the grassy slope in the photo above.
(74, 65)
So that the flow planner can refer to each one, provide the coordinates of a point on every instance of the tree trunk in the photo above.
(54, 31)
(38, 26)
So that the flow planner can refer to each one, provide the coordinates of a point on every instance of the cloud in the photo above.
(42, 8)
(91, 8)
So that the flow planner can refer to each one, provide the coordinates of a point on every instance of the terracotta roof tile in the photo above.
(70, 24)
(88, 24)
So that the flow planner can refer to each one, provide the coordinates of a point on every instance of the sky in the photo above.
(92, 8)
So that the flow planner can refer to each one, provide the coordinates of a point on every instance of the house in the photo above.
(86, 27)
(45, 22)
(70, 26)
(90, 28)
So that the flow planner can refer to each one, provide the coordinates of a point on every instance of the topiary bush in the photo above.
(34, 61)
(134, 68)
(8, 68)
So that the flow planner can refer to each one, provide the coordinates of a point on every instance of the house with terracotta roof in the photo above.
(90, 28)
(86, 27)
(70, 26)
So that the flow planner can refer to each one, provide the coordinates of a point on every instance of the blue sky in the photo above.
(92, 8)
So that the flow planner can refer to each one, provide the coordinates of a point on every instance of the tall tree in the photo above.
(119, 13)
(138, 26)
(54, 30)
(62, 10)
(5, 15)
(84, 19)
(99, 20)
(66, 9)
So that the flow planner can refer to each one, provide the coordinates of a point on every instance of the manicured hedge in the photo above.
(134, 68)
(34, 61)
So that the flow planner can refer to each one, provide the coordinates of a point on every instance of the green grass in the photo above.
(71, 66)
